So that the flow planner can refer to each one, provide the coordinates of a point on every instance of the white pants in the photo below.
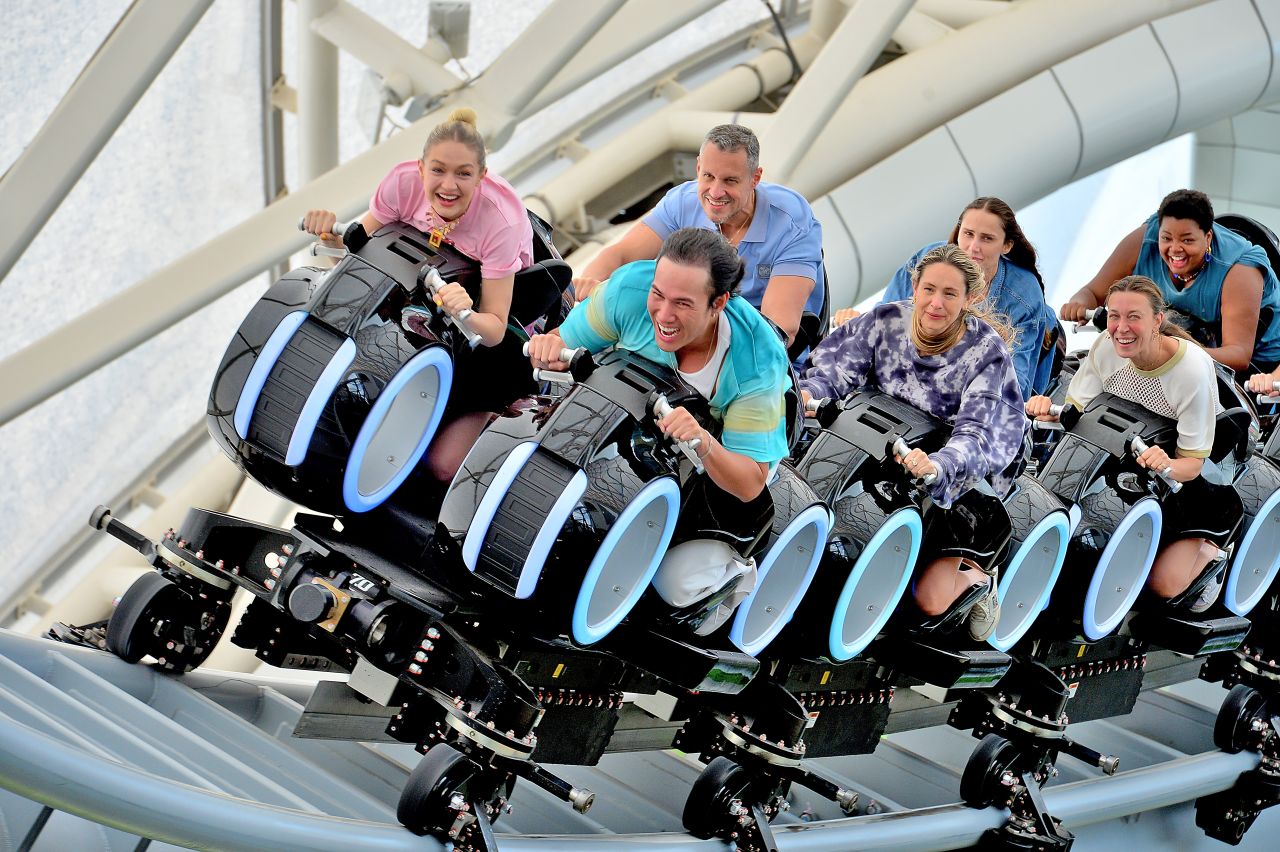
(695, 569)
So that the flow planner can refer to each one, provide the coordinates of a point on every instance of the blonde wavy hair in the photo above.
(975, 286)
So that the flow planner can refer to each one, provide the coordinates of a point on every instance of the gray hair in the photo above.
(734, 137)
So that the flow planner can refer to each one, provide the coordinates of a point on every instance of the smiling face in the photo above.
(726, 185)
(681, 307)
(450, 174)
(981, 235)
(1183, 245)
(939, 297)
(1133, 325)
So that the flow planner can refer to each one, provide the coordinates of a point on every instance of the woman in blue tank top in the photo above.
(1205, 271)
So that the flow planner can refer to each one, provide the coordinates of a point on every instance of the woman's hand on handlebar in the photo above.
(1154, 458)
(680, 425)
(545, 351)
(1039, 407)
(321, 223)
(842, 316)
(453, 298)
(1264, 383)
(917, 463)
(1073, 311)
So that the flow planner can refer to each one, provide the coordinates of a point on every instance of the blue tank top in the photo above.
(1203, 299)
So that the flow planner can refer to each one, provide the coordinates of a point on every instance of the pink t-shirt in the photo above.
(495, 230)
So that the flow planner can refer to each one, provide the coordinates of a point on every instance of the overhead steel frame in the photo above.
(526, 74)
(121, 70)
(571, 41)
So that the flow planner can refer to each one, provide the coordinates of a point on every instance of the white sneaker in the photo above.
(1209, 594)
(985, 613)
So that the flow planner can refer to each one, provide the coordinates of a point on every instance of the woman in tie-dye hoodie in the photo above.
(939, 354)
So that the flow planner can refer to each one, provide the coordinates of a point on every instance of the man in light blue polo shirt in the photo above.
(772, 227)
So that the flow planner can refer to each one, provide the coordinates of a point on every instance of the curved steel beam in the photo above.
(87, 116)
(69, 779)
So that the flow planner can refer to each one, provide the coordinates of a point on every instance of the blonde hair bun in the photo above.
(464, 114)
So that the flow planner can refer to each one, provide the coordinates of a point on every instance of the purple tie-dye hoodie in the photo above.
(972, 386)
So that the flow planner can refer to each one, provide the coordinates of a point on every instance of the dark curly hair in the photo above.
(1188, 204)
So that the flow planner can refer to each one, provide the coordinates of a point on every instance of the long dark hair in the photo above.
(1023, 253)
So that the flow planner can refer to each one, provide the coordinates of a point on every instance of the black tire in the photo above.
(134, 629)
(706, 811)
(980, 785)
(424, 805)
(129, 630)
(424, 802)
(1231, 729)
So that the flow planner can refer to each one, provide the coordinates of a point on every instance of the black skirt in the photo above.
(490, 378)
(1201, 509)
(976, 527)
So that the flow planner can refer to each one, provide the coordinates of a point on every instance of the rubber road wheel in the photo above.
(1231, 730)
(980, 784)
(130, 630)
(706, 811)
(424, 805)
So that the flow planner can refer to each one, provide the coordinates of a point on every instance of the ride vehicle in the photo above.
(491, 615)
(1097, 637)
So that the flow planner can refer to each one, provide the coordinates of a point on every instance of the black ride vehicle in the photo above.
(501, 619)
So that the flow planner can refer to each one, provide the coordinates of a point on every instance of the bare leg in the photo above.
(1178, 564)
(942, 582)
(452, 443)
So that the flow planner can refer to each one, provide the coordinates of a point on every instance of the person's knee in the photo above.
(932, 599)
(1178, 565)
(443, 464)
(1164, 583)
(452, 443)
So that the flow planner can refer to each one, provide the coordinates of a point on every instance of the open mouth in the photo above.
(448, 198)
(667, 332)
(1125, 340)
(1177, 261)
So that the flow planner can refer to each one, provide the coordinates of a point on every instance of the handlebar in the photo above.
(1088, 323)
(1264, 399)
(433, 282)
(661, 408)
(565, 377)
(339, 228)
(566, 354)
(1056, 410)
(1138, 446)
(319, 249)
(901, 449)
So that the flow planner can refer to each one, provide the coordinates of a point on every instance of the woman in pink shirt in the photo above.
(450, 196)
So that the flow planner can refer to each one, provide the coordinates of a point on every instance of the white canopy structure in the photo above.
(889, 115)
